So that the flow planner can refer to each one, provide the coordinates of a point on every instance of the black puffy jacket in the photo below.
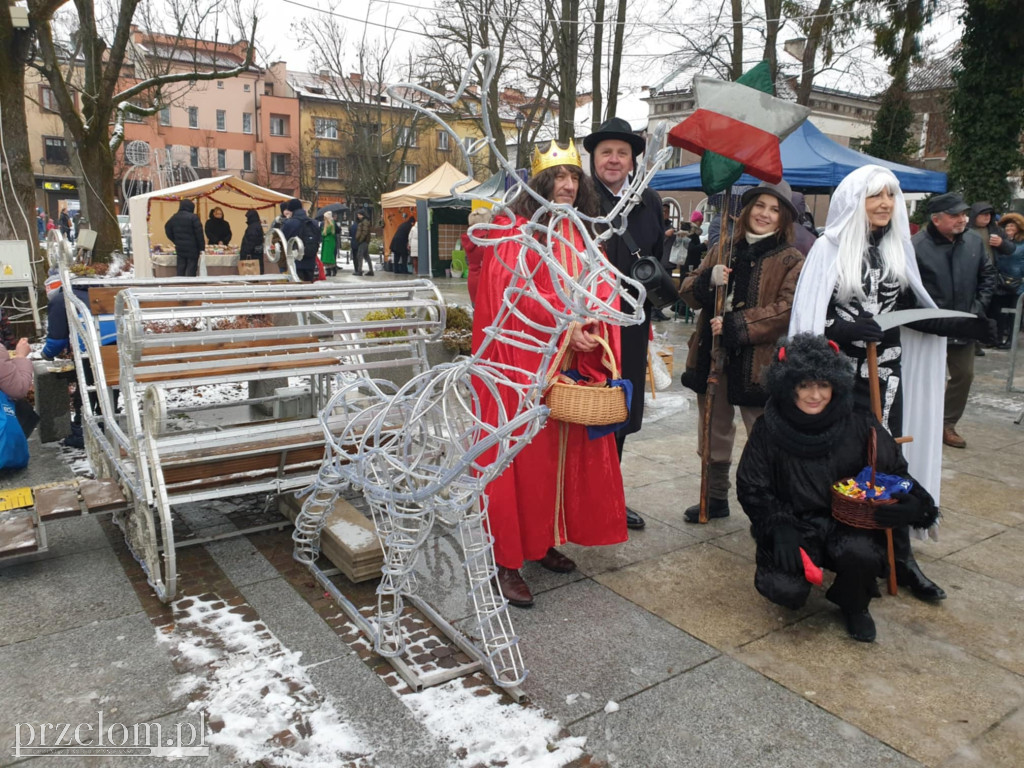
(218, 231)
(252, 239)
(956, 273)
(775, 487)
(185, 230)
(292, 227)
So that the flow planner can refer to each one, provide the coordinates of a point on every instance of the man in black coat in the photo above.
(185, 230)
(613, 152)
(957, 275)
(400, 245)
(305, 267)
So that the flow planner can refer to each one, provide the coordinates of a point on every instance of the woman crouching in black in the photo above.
(808, 438)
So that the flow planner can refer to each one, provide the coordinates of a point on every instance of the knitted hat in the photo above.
(293, 205)
(808, 357)
(696, 217)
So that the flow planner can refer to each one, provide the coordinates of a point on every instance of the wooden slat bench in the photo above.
(178, 349)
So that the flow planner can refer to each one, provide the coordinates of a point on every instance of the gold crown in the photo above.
(555, 155)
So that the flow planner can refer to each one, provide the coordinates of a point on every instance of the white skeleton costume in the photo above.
(911, 364)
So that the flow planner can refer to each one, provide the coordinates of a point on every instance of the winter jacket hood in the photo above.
(187, 206)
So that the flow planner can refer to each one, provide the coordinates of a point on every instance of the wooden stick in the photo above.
(876, 408)
(650, 374)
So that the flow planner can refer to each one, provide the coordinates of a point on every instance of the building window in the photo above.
(406, 136)
(468, 142)
(47, 100)
(55, 150)
(408, 174)
(278, 125)
(247, 122)
(165, 115)
(442, 141)
(327, 168)
(268, 89)
(193, 156)
(220, 84)
(326, 128)
(222, 159)
(247, 87)
(222, 120)
(278, 162)
(246, 160)
(193, 117)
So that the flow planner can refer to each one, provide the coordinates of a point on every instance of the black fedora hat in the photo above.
(618, 129)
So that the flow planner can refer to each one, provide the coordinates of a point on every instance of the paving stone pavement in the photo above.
(668, 625)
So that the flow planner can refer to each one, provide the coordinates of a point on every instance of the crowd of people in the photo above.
(797, 316)
(800, 327)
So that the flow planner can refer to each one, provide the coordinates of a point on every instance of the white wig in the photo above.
(848, 227)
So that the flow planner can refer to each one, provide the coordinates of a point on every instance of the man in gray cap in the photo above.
(613, 150)
(957, 275)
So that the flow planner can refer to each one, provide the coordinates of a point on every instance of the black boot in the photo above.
(908, 574)
(860, 625)
(716, 508)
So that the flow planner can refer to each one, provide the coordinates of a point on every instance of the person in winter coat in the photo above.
(805, 234)
(400, 245)
(361, 245)
(809, 438)
(1011, 277)
(759, 293)
(64, 220)
(414, 248)
(305, 267)
(218, 231)
(861, 268)
(957, 275)
(329, 245)
(614, 150)
(253, 239)
(186, 232)
(16, 378)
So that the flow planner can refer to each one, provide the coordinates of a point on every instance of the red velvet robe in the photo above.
(531, 509)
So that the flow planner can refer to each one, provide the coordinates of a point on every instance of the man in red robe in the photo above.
(563, 486)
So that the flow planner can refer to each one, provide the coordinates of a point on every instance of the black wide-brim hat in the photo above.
(615, 129)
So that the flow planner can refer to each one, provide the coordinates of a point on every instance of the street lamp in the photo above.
(316, 176)
(520, 122)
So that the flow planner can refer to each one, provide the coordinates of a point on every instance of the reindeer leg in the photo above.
(500, 643)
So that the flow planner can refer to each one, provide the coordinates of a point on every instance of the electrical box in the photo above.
(15, 263)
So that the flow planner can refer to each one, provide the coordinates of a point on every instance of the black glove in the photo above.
(907, 510)
(862, 328)
(786, 543)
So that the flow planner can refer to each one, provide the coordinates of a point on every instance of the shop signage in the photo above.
(60, 186)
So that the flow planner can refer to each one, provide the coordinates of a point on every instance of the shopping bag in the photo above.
(13, 444)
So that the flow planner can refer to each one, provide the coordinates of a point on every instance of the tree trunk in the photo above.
(772, 12)
(737, 40)
(811, 51)
(567, 50)
(95, 165)
(595, 86)
(14, 47)
(616, 63)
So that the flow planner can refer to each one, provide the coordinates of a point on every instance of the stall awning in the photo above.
(437, 184)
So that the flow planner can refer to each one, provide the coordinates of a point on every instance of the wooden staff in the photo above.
(876, 408)
(717, 359)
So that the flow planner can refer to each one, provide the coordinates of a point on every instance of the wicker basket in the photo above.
(860, 513)
(589, 405)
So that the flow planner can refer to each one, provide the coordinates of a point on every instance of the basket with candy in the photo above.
(854, 498)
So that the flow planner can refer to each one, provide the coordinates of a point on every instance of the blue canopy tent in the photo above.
(813, 164)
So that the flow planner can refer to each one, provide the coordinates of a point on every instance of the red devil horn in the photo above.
(835, 347)
(782, 354)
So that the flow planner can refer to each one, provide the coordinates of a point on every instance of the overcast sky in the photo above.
(642, 65)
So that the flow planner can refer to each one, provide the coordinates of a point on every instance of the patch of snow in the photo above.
(485, 730)
(611, 707)
(256, 691)
(352, 534)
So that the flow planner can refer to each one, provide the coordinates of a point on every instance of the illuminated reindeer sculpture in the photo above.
(418, 453)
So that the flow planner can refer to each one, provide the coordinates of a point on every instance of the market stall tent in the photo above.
(813, 164)
(399, 205)
(149, 212)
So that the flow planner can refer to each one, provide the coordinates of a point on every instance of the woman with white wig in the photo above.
(861, 267)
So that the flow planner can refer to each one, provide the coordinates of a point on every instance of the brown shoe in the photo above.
(514, 588)
(952, 439)
(557, 562)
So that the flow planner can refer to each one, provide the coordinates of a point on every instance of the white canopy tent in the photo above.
(148, 213)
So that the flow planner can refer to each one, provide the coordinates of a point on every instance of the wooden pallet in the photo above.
(349, 539)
